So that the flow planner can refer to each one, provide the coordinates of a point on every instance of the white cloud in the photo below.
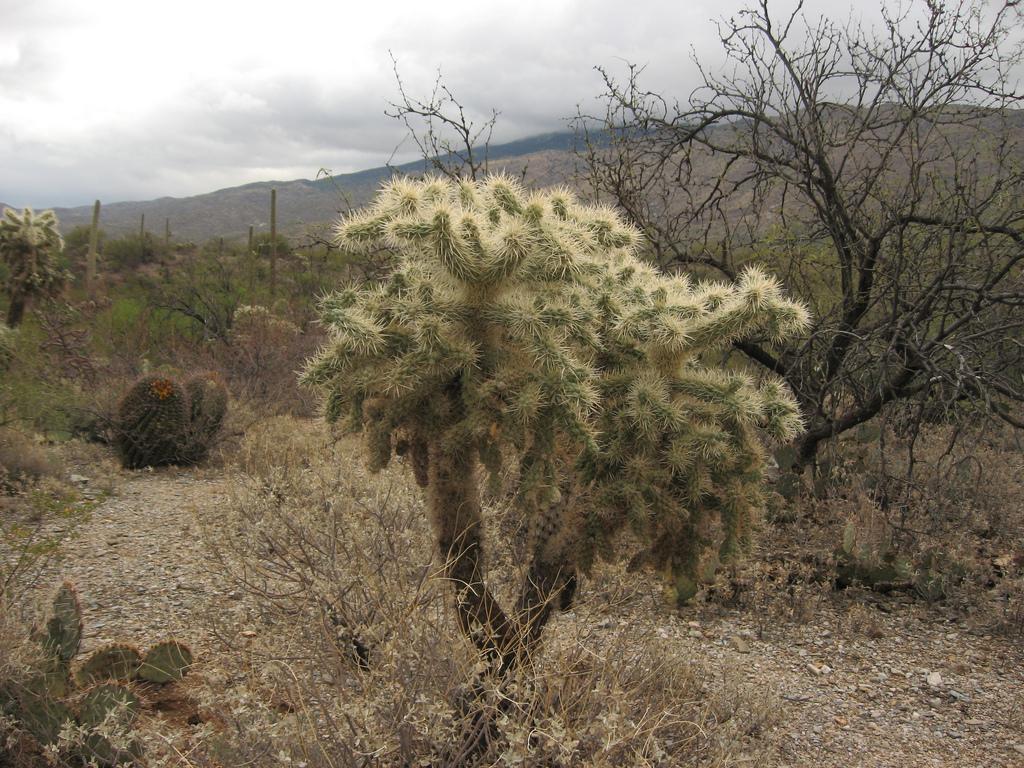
(119, 99)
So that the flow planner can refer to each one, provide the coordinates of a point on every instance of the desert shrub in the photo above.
(6, 345)
(339, 573)
(263, 354)
(33, 393)
(130, 251)
(22, 459)
(934, 511)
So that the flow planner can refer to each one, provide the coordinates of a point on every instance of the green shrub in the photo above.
(132, 250)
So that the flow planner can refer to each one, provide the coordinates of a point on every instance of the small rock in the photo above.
(934, 679)
(935, 701)
(1019, 748)
(80, 479)
(248, 633)
(741, 645)
(819, 669)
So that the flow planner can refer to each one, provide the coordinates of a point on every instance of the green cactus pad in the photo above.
(165, 662)
(113, 662)
(98, 702)
(64, 628)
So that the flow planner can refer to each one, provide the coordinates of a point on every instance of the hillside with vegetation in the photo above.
(305, 204)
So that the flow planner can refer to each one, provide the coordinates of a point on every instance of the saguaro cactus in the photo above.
(90, 260)
(522, 326)
(29, 245)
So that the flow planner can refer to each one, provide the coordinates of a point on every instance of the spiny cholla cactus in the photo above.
(522, 326)
(29, 245)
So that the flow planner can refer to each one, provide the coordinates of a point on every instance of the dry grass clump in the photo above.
(22, 459)
(346, 652)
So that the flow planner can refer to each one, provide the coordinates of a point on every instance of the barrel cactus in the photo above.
(208, 405)
(152, 427)
(160, 421)
(522, 326)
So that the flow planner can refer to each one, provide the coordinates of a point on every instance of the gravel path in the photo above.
(137, 564)
(910, 691)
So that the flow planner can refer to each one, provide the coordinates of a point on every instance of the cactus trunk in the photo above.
(454, 500)
(94, 238)
(15, 309)
(273, 245)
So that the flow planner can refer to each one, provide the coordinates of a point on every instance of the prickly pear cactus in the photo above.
(99, 698)
(64, 628)
(109, 711)
(44, 717)
(164, 662)
(152, 427)
(208, 405)
(102, 700)
(112, 662)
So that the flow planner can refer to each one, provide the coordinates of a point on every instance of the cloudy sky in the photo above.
(130, 100)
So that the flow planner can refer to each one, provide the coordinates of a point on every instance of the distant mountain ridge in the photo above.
(303, 203)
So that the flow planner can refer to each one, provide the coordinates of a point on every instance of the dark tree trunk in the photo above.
(15, 310)
(454, 500)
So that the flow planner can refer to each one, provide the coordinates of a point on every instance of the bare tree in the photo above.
(449, 142)
(878, 170)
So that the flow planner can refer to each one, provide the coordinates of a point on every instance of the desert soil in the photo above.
(915, 689)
